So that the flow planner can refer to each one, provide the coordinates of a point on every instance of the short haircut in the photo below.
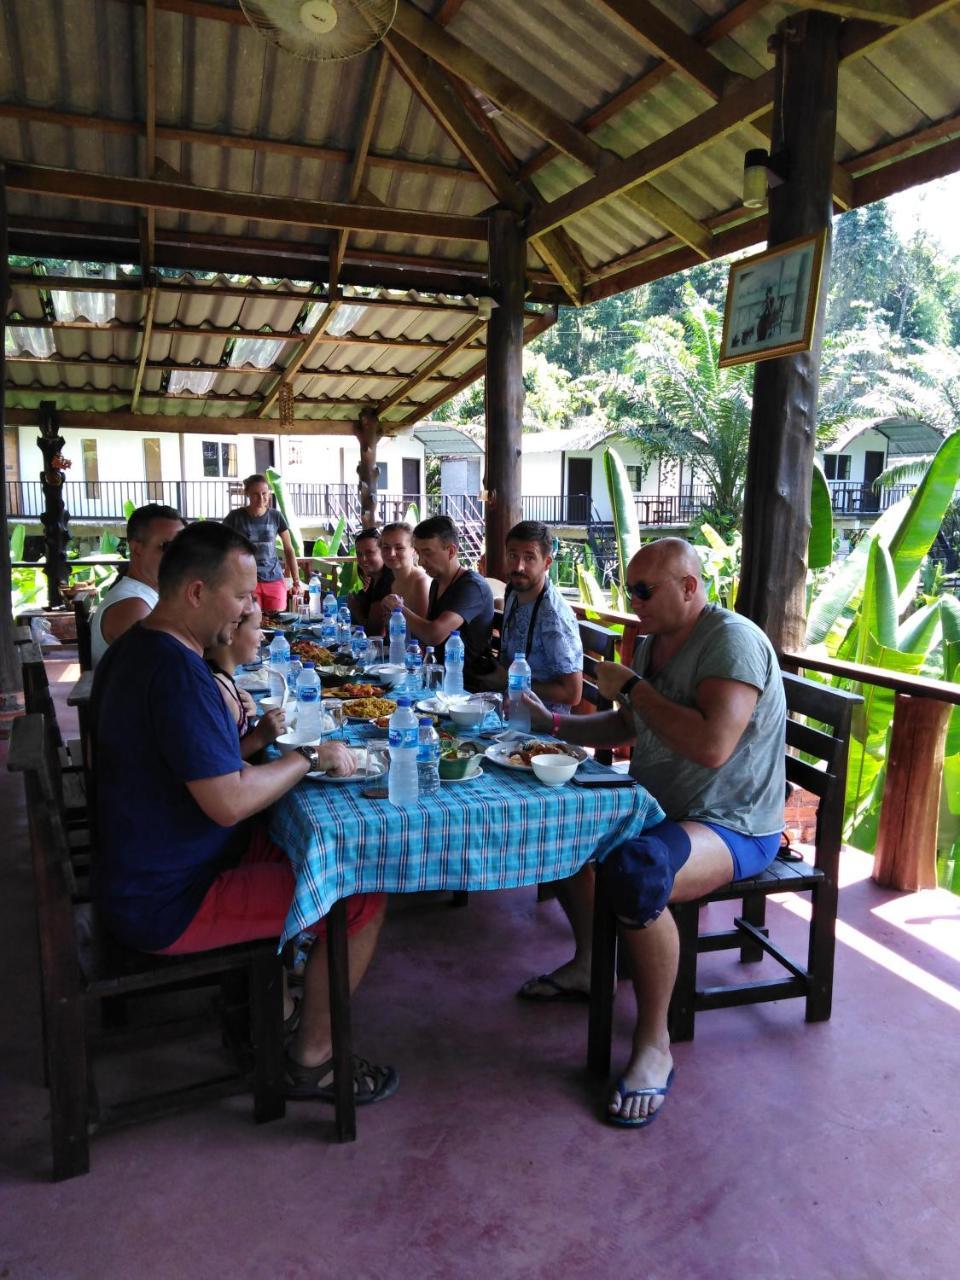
(441, 527)
(138, 526)
(398, 526)
(367, 535)
(199, 551)
(256, 478)
(532, 531)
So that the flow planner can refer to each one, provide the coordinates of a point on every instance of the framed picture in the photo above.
(772, 301)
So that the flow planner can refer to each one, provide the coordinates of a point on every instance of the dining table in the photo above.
(501, 829)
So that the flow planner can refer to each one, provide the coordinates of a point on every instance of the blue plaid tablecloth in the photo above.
(499, 831)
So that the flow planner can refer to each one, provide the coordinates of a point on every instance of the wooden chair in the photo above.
(80, 963)
(827, 744)
(599, 645)
(82, 611)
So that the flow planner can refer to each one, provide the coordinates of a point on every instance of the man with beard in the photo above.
(181, 865)
(538, 622)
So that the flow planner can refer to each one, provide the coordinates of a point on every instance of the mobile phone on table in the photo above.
(604, 780)
(375, 793)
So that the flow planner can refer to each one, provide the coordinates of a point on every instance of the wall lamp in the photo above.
(760, 172)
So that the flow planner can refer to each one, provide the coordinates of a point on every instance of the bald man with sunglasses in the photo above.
(704, 707)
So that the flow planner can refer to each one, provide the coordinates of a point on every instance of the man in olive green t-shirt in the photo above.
(705, 708)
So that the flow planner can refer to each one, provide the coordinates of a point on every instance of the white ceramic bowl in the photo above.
(390, 673)
(467, 714)
(270, 704)
(553, 771)
(294, 738)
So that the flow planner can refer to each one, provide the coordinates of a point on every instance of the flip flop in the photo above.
(370, 1082)
(556, 994)
(639, 1122)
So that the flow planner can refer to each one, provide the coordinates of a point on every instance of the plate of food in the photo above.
(353, 691)
(307, 651)
(369, 708)
(517, 755)
(366, 774)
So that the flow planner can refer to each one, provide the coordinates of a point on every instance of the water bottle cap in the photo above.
(519, 656)
(426, 722)
(454, 633)
(308, 666)
(398, 610)
(403, 702)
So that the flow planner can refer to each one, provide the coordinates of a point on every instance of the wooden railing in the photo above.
(906, 848)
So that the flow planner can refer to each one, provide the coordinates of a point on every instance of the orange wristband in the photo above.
(555, 727)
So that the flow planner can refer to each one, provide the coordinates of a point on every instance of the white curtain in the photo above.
(260, 352)
(21, 338)
(99, 308)
(198, 381)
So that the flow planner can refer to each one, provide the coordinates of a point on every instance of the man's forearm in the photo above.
(685, 730)
(422, 629)
(602, 729)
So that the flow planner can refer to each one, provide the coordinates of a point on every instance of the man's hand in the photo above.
(335, 758)
(540, 717)
(611, 677)
(392, 602)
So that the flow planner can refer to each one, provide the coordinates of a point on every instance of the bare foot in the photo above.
(572, 978)
(649, 1068)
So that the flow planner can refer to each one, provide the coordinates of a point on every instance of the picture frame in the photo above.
(771, 301)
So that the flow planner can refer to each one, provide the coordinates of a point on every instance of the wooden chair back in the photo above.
(82, 610)
(599, 645)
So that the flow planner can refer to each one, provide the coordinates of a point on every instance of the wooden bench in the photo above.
(825, 742)
(80, 963)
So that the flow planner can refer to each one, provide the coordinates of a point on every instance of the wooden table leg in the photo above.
(339, 978)
(602, 978)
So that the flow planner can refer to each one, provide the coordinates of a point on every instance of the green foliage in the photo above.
(275, 481)
(820, 543)
(720, 563)
(18, 538)
(625, 527)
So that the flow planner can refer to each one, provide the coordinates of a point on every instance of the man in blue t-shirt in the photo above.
(181, 866)
(538, 622)
(459, 600)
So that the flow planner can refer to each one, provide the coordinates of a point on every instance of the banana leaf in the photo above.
(928, 505)
(336, 538)
(625, 526)
(129, 507)
(820, 543)
(916, 635)
(591, 592)
(275, 481)
(878, 610)
(18, 537)
(412, 515)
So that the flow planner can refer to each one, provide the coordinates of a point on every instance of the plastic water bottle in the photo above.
(328, 627)
(453, 658)
(519, 680)
(402, 737)
(308, 704)
(279, 662)
(345, 627)
(428, 758)
(294, 671)
(413, 661)
(359, 645)
(398, 637)
(429, 660)
(314, 591)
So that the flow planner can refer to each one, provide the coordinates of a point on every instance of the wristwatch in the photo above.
(623, 696)
(310, 755)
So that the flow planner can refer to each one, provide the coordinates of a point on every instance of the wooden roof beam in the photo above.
(188, 424)
(842, 182)
(428, 371)
(148, 224)
(149, 309)
(892, 13)
(541, 119)
(239, 371)
(671, 43)
(181, 198)
(374, 97)
(211, 397)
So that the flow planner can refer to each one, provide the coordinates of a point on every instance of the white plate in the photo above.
(438, 706)
(498, 754)
(471, 777)
(362, 775)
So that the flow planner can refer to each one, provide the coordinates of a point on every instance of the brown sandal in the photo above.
(371, 1083)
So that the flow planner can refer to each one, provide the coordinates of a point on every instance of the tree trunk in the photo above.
(9, 667)
(55, 514)
(504, 386)
(368, 432)
(776, 518)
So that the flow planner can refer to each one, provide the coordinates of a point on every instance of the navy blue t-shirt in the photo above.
(159, 722)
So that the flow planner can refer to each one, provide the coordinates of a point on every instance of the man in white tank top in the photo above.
(133, 596)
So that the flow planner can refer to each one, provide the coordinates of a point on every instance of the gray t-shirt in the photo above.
(747, 793)
(262, 532)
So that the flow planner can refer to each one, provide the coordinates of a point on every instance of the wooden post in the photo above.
(776, 518)
(9, 666)
(55, 514)
(906, 851)
(504, 386)
(367, 431)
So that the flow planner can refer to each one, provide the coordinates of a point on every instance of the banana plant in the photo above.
(285, 506)
(625, 526)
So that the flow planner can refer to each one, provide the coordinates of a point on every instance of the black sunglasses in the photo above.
(644, 590)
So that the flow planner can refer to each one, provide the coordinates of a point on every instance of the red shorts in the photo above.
(251, 901)
(272, 595)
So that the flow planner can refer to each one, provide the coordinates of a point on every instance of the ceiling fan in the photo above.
(321, 30)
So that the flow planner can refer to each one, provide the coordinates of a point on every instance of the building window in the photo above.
(219, 459)
(383, 483)
(635, 476)
(91, 472)
(836, 466)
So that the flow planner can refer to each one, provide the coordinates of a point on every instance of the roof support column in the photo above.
(9, 667)
(776, 518)
(504, 385)
(368, 432)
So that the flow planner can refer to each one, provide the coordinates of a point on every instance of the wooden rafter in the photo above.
(148, 227)
(373, 99)
(541, 119)
(671, 43)
(181, 198)
(210, 397)
(842, 182)
(149, 309)
(428, 372)
(238, 371)
(187, 424)
(299, 356)
(237, 142)
(890, 12)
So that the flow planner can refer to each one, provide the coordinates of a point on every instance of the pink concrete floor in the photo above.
(785, 1150)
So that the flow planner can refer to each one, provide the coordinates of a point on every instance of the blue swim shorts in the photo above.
(750, 853)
